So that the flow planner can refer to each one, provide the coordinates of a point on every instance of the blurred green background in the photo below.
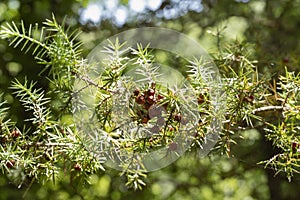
(273, 29)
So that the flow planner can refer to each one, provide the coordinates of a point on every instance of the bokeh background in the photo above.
(271, 30)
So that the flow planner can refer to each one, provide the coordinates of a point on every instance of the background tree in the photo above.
(272, 30)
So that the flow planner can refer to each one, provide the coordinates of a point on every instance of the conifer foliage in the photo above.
(51, 146)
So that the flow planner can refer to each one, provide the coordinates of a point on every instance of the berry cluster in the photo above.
(151, 104)
(154, 108)
(149, 101)
(15, 133)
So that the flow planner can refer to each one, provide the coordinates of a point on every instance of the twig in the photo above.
(37, 144)
(91, 82)
(268, 108)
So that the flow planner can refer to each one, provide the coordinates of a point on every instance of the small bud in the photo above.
(77, 167)
(10, 164)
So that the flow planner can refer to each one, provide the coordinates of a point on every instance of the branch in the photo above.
(90, 82)
(269, 108)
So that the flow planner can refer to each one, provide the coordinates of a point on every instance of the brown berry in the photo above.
(15, 133)
(251, 97)
(151, 92)
(160, 97)
(294, 145)
(177, 117)
(145, 120)
(136, 92)
(140, 99)
(286, 59)
(10, 164)
(77, 167)
(201, 99)
(150, 99)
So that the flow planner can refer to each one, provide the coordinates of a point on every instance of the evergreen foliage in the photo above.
(52, 145)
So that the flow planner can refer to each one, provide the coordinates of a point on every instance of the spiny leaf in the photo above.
(19, 36)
